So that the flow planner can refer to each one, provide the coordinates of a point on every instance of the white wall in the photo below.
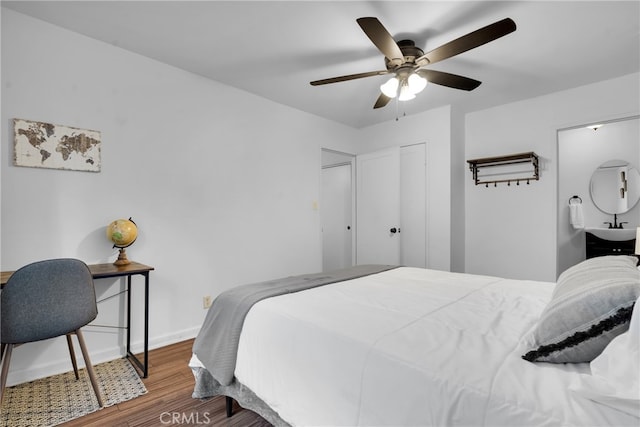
(221, 183)
(459, 170)
(511, 231)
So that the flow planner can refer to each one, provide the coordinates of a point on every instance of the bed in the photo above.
(399, 346)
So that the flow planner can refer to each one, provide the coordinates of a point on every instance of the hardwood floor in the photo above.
(168, 401)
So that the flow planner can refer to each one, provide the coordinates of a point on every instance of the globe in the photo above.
(122, 233)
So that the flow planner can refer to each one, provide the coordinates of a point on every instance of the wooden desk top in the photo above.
(100, 271)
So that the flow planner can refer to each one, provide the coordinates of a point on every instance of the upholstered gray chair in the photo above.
(43, 300)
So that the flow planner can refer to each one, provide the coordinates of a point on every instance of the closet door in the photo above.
(378, 207)
(413, 204)
(391, 207)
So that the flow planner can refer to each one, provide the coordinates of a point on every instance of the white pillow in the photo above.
(615, 373)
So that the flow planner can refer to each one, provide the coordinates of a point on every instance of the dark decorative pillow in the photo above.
(591, 304)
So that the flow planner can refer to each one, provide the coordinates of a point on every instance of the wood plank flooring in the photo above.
(168, 401)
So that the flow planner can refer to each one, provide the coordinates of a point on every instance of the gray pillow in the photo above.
(591, 304)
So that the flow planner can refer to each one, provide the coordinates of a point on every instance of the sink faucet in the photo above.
(616, 224)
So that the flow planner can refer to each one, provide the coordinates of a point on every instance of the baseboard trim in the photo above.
(97, 356)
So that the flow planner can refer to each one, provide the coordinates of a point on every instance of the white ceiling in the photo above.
(275, 48)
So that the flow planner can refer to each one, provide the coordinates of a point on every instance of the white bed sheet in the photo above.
(411, 347)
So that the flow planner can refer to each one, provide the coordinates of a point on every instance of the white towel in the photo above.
(576, 217)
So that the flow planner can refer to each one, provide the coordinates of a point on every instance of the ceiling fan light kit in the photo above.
(416, 83)
(408, 87)
(405, 93)
(390, 88)
(405, 60)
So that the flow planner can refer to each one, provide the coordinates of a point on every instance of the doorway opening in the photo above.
(337, 210)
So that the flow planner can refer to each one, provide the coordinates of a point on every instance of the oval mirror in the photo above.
(615, 187)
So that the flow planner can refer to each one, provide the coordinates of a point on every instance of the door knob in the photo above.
(393, 230)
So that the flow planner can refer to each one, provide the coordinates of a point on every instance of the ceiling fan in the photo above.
(405, 60)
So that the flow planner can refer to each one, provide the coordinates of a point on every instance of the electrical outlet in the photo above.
(206, 301)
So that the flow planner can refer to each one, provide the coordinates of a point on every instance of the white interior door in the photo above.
(336, 203)
(413, 191)
(391, 207)
(378, 207)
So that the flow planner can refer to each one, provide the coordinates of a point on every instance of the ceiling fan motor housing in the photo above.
(410, 52)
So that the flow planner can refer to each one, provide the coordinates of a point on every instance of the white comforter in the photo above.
(411, 347)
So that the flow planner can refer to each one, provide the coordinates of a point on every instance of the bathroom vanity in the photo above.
(615, 189)
(607, 241)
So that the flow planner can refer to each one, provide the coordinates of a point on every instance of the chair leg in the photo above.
(72, 353)
(89, 366)
(6, 358)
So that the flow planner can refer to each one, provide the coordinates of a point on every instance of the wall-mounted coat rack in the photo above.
(505, 171)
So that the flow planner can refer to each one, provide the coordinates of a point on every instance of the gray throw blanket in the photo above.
(217, 342)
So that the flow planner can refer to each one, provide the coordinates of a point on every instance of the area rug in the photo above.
(54, 400)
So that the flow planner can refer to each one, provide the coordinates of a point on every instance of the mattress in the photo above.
(411, 347)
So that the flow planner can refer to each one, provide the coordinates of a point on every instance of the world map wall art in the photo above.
(45, 145)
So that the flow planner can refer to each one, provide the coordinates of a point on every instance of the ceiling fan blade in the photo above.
(380, 37)
(467, 42)
(381, 101)
(449, 80)
(349, 77)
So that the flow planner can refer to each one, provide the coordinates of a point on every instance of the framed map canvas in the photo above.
(45, 145)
